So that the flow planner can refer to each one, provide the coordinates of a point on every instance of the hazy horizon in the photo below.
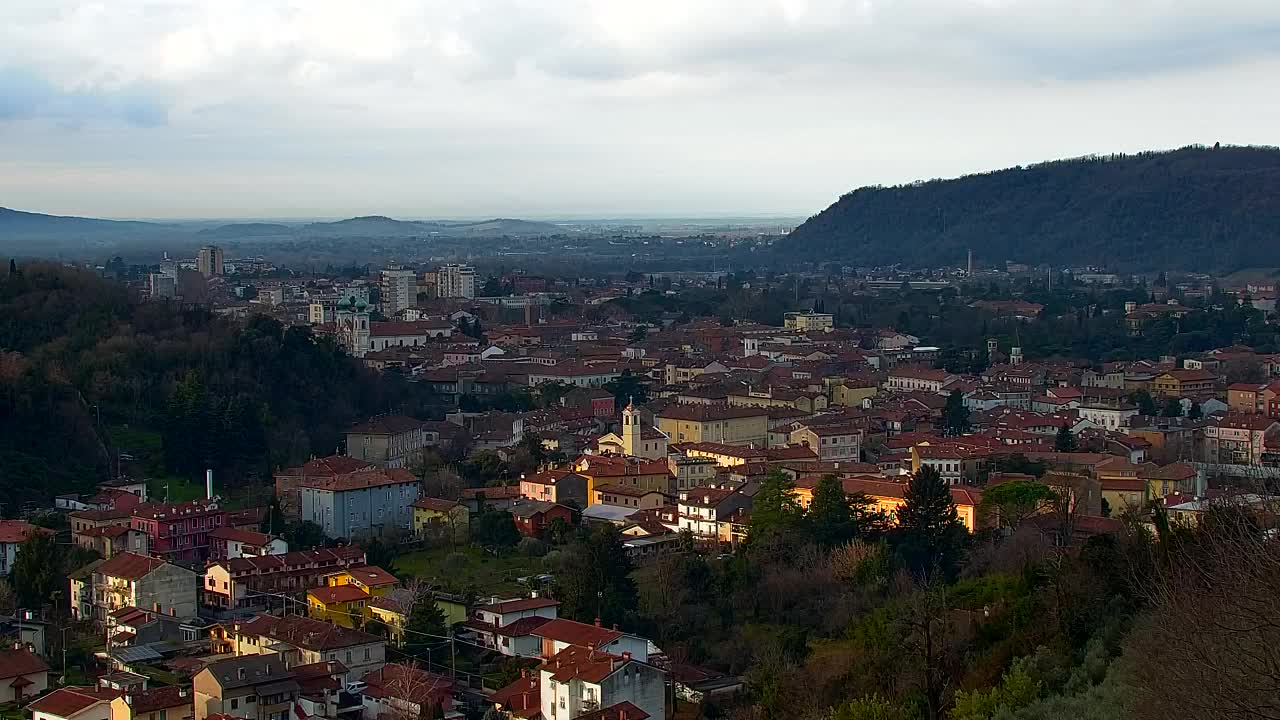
(596, 109)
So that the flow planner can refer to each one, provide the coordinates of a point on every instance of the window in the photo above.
(235, 704)
(366, 654)
(348, 657)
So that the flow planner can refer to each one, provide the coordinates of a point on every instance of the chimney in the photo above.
(240, 673)
(626, 655)
(266, 669)
(598, 622)
(615, 627)
(208, 484)
(128, 698)
(182, 692)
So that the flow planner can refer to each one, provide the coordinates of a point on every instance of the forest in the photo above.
(81, 361)
(1196, 208)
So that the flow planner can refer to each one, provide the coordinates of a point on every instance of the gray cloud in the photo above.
(26, 94)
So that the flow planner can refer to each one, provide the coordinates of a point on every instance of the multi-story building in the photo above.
(365, 503)
(170, 702)
(255, 687)
(691, 472)
(925, 379)
(1193, 384)
(557, 486)
(1240, 439)
(129, 580)
(1109, 417)
(287, 481)
(303, 641)
(250, 581)
(399, 289)
(623, 471)
(715, 424)
(702, 509)
(507, 626)
(209, 261)
(321, 312)
(830, 442)
(806, 321)
(179, 532)
(389, 441)
(456, 281)
(160, 285)
(384, 335)
(226, 543)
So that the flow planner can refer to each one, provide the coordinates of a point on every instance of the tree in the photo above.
(830, 518)
(38, 570)
(426, 624)
(273, 522)
(1065, 440)
(496, 529)
(595, 581)
(1014, 501)
(775, 512)
(929, 531)
(639, 333)
(1195, 413)
(1146, 404)
(304, 535)
(628, 389)
(956, 415)
(381, 554)
(1172, 408)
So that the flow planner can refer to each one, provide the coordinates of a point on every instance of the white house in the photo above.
(1111, 417)
(22, 675)
(577, 681)
(509, 626)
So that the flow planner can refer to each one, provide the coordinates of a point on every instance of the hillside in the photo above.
(238, 230)
(18, 222)
(1189, 209)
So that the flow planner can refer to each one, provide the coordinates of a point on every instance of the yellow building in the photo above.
(435, 517)
(851, 393)
(809, 321)
(715, 424)
(625, 472)
(374, 581)
(886, 497)
(342, 605)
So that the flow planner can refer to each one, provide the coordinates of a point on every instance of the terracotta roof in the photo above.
(248, 537)
(705, 413)
(521, 605)
(371, 576)
(518, 628)
(330, 557)
(128, 565)
(169, 511)
(626, 490)
(522, 698)
(436, 504)
(621, 711)
(394, 680)
(338, 593)
(1190, 375)
(17, 531)
(1172, 471)
(65, 702)
(577, 662)
(328, 466)
(361, 479)
(386, 425)
(20, 662)
(159, 698)
(306, 633)
(576, 633)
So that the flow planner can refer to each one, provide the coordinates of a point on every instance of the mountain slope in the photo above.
(13, 222)
(1194, 208)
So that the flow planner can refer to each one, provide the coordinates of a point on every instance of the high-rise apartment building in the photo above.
(209, 261)
(457, 281)
(399, 289)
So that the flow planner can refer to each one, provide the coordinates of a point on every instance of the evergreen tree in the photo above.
(929, 531)
(1065, 441)
(956, 415)
(425, 620)
(830, 518)
(595, 581)
(37, 570)
(775, 512)
(496, 529)
(1172, 408)
(1195, 413)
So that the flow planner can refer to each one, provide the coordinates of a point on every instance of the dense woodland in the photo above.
(80, 361)
(1191, 209)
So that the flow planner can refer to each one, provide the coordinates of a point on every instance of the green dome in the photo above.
(344, 303)
(361, 304)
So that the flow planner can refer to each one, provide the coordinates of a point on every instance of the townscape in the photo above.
(439, 491)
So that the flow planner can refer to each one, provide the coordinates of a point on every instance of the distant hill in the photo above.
(239, 230)
(15, 222)
(1192, 209)
(379, 225)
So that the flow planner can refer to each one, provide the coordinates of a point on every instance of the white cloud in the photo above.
(435, 107)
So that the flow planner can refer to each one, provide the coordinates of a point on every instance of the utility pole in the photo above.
(453, 658)
(64, 655)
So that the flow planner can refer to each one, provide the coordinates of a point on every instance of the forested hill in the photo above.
(83, 362)
(1190, 209)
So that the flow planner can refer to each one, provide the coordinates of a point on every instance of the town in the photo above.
(526, 538)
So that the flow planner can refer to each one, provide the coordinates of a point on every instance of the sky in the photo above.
(596, 108)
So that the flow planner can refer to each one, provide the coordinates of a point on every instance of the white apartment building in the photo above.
(457, 281)
(399, 288)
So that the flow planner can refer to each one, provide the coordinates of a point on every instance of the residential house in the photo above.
(439, 518)
(623, 471)
(1250, 398)
(690, 472)
(1174, 478)
(1109, 417)
(628, 497)
(579, 683)
(288, 481)
(240, 582)
(179, 532)
(388, 441)
(361, 504)
(22, 675)
(12, 534)
(256, 687)
(342, 605)
(724, 424)
(129, 580)
(75, 703)
(1123, 493)
(830, 442)
(558, 486)
(562, 633)
(1193, 384)
(534, 517)
(909, 377)
(508, 626)
(887, 496)
(1240, 439)
(226, 543)
(702, 509)
(404, 691)
(303, 641)
(170, 702)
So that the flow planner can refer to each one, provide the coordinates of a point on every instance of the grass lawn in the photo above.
(180, 489)
(469, 567)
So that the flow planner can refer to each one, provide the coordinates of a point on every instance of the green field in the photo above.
(469, 568)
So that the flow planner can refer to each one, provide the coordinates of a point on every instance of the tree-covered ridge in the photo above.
(1193, 209)
(79, 355)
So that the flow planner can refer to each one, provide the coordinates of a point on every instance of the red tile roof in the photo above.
(65, 702)
(576, 633)
(248, 537)
(580, 663)
(128, 565)
(159, 698)
(20, 662)
(621, 711)
(520, 605)
(706, 413)
(306, 633)
(361, 479)
(371, 576)
(338, 593)
(522, 698)
(328, 466)
(436, 504)
(17, 531)
(386, 425)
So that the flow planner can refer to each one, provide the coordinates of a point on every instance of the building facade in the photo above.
(456, 281)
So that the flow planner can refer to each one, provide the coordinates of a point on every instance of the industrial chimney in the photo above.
(208, 484)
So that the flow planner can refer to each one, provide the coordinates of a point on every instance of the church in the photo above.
(637, 438)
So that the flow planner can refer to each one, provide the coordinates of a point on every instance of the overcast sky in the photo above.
(544, 108)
